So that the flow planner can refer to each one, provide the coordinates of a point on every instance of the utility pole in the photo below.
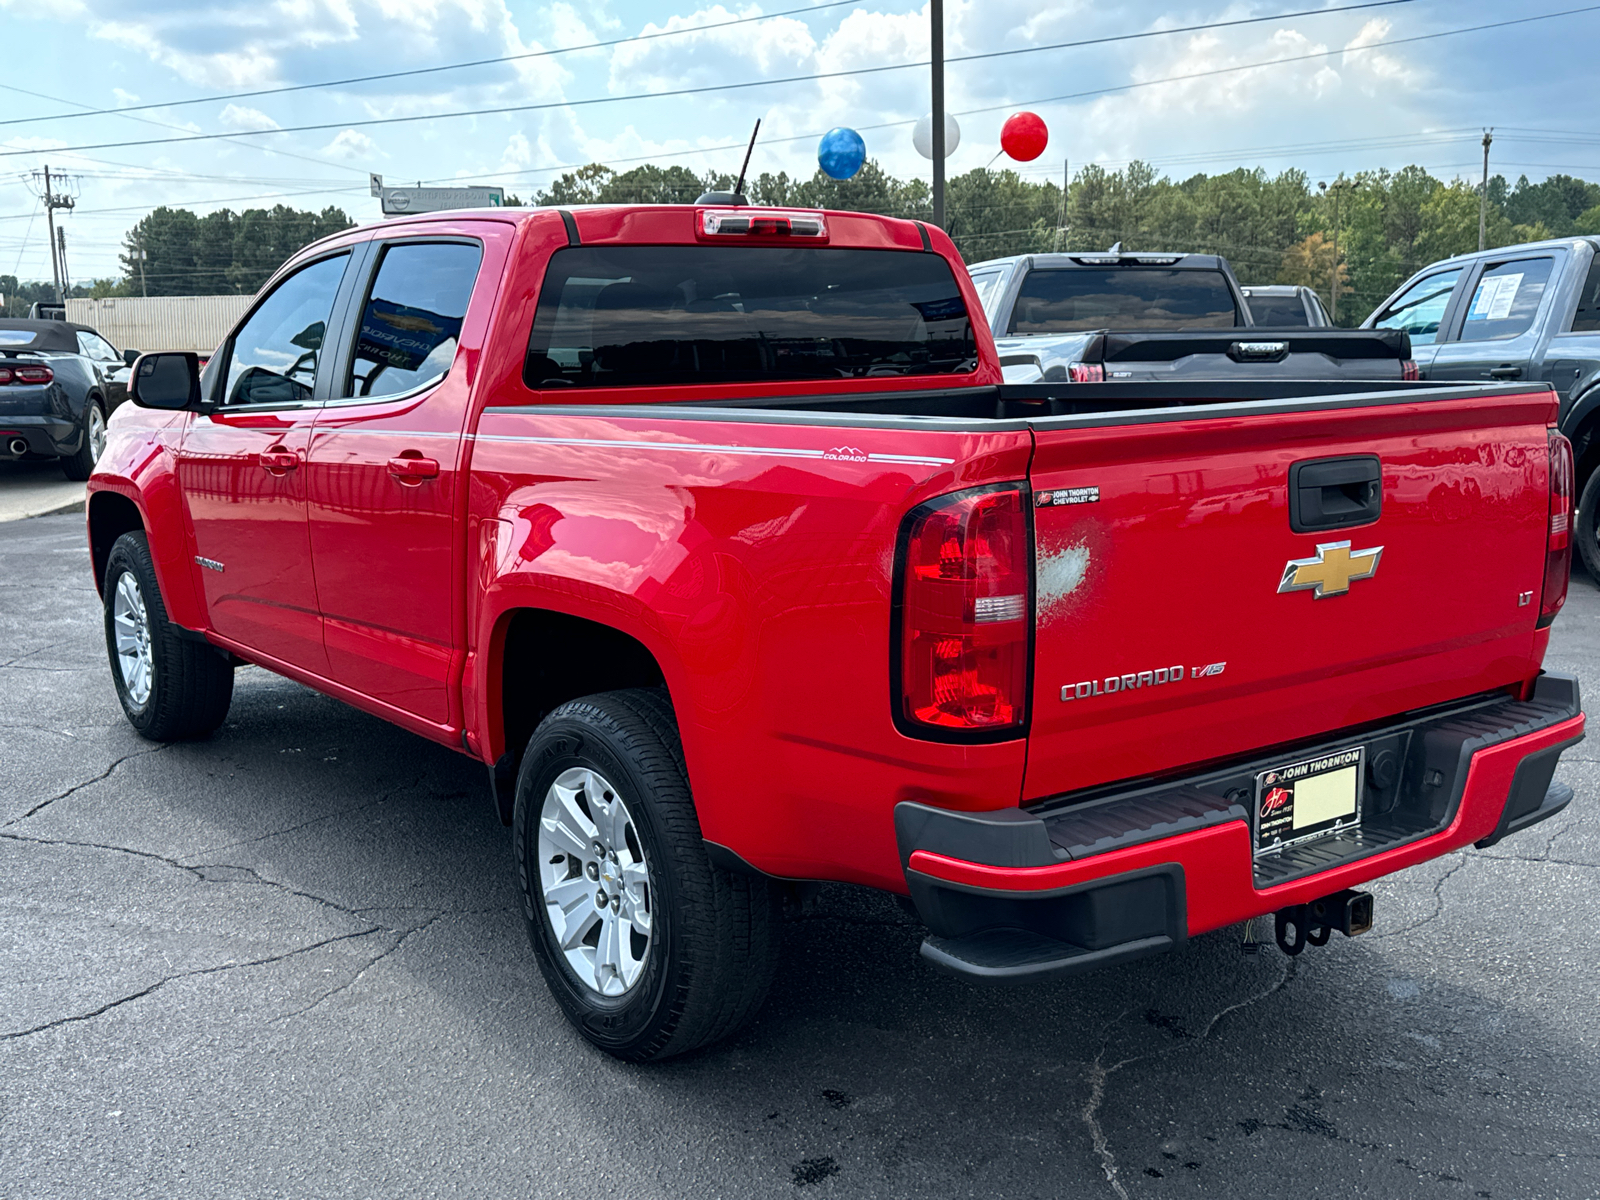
(936, 13)
(1483, 196)
(1333, 308)
(61, 247)
(1066, 182)
(139, 253)
(51, 203)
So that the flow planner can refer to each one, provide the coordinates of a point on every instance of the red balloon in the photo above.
(1024, 136)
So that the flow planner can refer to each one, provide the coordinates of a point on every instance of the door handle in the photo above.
(1505, 372)
(279, 461)
(412, 468)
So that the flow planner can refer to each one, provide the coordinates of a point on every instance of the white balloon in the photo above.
(922, 136)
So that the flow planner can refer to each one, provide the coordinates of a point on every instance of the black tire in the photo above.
(78, 467)
(1586, 529)
(190, 682)
(712, 948)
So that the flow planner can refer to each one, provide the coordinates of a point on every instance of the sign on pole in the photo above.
(402, 200)
(376, 182)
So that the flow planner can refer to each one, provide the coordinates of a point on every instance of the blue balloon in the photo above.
(840, 153)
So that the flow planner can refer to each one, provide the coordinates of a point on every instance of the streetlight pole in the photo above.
(936, 15)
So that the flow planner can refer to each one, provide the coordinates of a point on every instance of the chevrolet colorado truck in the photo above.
(712, 532)
(1146, 317)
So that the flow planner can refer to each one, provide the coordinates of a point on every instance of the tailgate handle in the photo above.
(1335, 493)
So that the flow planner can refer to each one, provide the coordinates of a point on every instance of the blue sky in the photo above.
(1367, 102)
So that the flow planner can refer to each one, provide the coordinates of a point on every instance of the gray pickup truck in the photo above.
(1160, 318)
(1529, 312)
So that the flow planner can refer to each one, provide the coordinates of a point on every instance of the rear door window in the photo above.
(631, 316)
(1123, 298)
(411, 322)
(1419, 309)
(1506, 299)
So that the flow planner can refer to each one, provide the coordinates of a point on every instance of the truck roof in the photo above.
(1099, 258)
(1566, 243)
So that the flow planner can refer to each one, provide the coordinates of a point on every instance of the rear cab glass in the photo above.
(632, 316)
(1277, 311)
(1068, 300)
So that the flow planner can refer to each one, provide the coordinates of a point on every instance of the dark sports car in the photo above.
(59, 383)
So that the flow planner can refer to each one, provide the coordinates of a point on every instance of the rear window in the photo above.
(1277, 311)
(632, 316)
(1123, 298)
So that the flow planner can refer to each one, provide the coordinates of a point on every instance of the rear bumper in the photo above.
(1014, 895)
(44, 433)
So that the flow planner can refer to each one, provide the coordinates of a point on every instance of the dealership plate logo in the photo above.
(1331, 571)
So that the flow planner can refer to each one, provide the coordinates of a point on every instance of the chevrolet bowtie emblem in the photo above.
(1331, 572)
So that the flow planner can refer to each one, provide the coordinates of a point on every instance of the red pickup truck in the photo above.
(713, 532)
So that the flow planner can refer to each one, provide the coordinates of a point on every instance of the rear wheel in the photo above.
(1587, 527)
(171, 686)
(649, 949)
(80, 466)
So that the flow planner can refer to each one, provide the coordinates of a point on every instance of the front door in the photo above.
(385, 478)
(1499, 336)
(241, 468)
(1420, 311)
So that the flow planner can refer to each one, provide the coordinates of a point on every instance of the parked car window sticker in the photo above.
(411, 322)
(1506, 299)
(1587, 318)
(274, 356)
(1127, 298)
(634, 316)
(1419, 309)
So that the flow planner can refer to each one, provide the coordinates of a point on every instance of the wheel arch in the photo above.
(1582, 427)
(539, 658)
(111, 514)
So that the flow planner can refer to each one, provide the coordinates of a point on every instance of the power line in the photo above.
(459, 66)
(706, 89)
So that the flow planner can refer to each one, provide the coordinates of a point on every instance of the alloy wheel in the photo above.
(97, 431)
(595, 881)
(131, 624)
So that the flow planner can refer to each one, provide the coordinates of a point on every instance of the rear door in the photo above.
(385, 471)
(1163, 639)
(1500, 332)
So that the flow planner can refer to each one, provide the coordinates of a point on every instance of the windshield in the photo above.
(1123, 298)
(632, 316)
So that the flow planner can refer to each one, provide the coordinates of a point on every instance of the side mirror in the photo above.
(169, 381)
(129, 357)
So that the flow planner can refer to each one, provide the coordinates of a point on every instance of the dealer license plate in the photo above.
(1307, 800)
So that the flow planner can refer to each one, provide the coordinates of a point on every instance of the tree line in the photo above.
(1273, 228)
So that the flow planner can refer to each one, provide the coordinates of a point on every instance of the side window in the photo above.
(1419, 309)
(1587, 318)
(412, 319)
(1506, 299)
(987, 284)
(92, 345)
(273, 358)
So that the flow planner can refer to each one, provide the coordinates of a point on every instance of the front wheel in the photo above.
(171, 686)
(1586, 529)
(649, 949)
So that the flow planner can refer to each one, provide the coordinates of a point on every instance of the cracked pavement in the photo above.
(288, 961)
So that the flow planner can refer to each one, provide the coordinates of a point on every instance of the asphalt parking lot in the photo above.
(287, 961)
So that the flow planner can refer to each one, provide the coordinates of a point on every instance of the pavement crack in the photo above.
(1100, 1074)
(77, 1018)
(78, 787)
(399, 941)
(1438, 903)
(295, 828)
(1543, 860)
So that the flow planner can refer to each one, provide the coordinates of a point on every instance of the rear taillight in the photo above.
(1409, 369)
(1086, 373)
(26, 374)
(964, 616)
(1558, 543)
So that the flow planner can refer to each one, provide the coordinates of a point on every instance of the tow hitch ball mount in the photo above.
(1349, 911)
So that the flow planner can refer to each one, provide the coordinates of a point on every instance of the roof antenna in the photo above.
(735, 197)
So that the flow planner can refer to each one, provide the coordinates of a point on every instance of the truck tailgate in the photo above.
(1162, 538)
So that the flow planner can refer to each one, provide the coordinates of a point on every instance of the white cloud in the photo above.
(239, 116)
(351, 145)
